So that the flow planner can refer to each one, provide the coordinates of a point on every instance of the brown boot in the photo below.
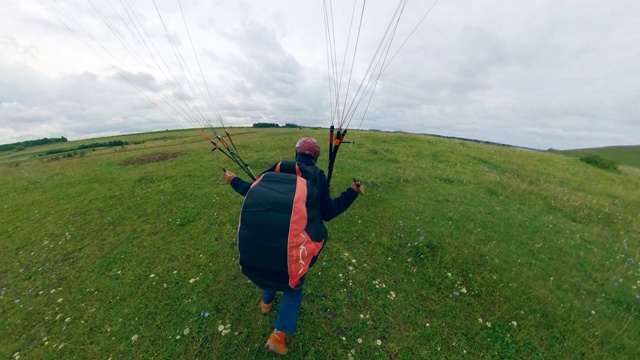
(265, 308)
(277, 342)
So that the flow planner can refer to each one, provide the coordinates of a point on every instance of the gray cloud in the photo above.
(540, 74)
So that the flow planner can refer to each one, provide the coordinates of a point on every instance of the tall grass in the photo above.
(458, 249)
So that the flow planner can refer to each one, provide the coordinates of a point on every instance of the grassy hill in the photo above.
(457, 250)
(622, 155)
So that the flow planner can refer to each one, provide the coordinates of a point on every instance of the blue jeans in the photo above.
(289, 310)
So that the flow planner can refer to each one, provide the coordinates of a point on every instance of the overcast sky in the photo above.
(541, 74)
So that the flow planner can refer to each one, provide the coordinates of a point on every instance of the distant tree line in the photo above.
(112, 143)
(274, 125)
(30, 143)
(288, 125)
(265, 125)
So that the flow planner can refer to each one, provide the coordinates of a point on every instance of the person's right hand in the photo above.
(357, 187)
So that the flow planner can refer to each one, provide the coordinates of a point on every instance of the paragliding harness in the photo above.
(281, 231)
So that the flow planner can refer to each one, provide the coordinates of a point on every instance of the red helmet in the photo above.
(308, 145)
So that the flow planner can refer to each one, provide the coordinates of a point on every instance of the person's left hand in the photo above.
(229, 176)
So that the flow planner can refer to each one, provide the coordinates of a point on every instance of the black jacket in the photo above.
(329, 208)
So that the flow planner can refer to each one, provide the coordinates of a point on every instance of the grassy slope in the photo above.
(457, 249)
(621, 155)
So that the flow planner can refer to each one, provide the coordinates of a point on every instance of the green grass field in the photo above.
(457, 250)
(621, 155)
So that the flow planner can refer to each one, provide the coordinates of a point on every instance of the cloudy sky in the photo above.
(541, 74)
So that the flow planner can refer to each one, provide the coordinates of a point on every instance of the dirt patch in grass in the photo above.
(151, 158)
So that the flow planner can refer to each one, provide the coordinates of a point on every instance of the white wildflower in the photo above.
(134, 338)
(224, 329)
(378, 342)
(359, 341)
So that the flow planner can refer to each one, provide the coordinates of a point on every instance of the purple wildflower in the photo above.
(421, 237)
(630, 261)
(615, 283)
(204, 313)
(456, 293)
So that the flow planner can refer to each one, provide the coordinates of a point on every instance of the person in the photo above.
(307, 153)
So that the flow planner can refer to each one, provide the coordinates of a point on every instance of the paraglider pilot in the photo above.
(281, 231)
